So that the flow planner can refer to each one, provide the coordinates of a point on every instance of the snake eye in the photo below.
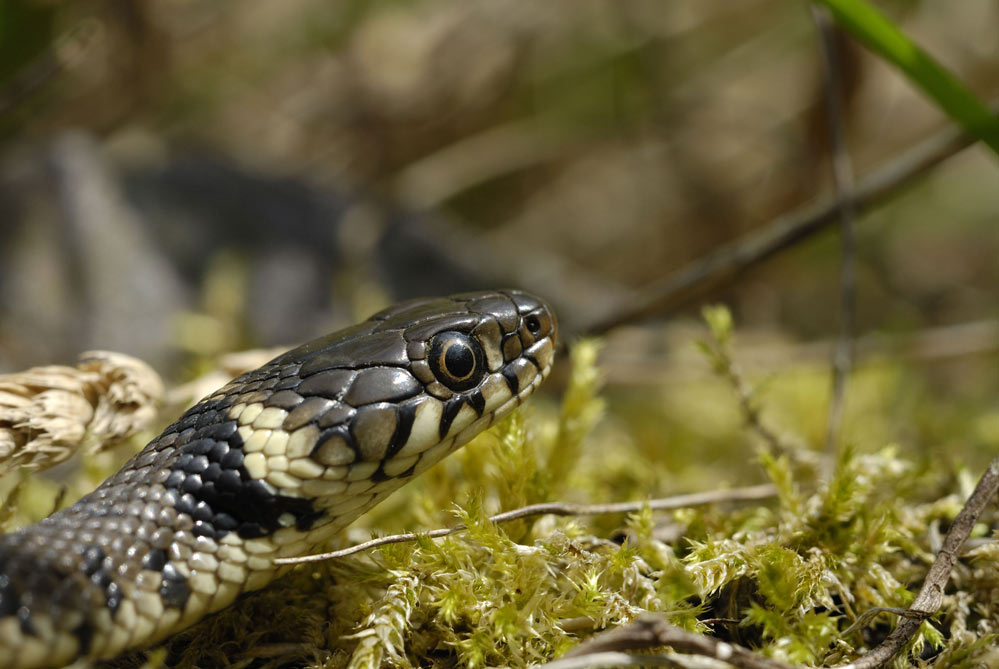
(533, 324)
(456, 360)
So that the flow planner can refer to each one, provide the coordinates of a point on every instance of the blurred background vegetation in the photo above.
(179, 179)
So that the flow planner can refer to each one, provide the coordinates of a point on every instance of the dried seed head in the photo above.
(47, 413)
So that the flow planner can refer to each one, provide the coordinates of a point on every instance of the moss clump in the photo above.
(789, 579)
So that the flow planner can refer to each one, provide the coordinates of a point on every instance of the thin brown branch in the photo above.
(725, 263)
(930, 596)
(748, 494)
(868, 616)
(612, 659)
(844, 184)
(654, 631)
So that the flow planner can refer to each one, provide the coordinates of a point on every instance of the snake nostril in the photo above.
(533, 324)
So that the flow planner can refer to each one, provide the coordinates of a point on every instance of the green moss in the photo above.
(788, 578)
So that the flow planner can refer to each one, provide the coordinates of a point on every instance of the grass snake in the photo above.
(271, 465)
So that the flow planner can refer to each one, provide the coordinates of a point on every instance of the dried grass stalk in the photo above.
(48, 413)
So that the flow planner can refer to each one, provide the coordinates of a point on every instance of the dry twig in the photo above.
(612, 659)
(730, 260)
(930, 596)
(751, 493)
(654, 631)
(843, 180)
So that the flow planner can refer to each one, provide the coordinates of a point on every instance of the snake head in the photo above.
(423, 377)
(326, 430)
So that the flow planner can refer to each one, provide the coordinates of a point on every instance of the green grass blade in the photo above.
(883, 37)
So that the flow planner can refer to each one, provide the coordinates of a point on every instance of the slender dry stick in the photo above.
(730, 260)
(652, 631)
(843, 180)
(751, 493)
(612, 659)
(930, 596)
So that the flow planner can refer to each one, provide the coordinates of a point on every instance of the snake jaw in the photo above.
(272, 465)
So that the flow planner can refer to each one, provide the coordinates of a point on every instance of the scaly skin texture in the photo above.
(271, 465)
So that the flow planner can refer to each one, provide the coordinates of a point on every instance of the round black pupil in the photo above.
(532, 323)
(459, 360)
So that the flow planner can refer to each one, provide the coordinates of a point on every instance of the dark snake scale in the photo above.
(272, 465)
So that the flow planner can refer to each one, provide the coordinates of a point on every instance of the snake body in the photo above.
(271, 465)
